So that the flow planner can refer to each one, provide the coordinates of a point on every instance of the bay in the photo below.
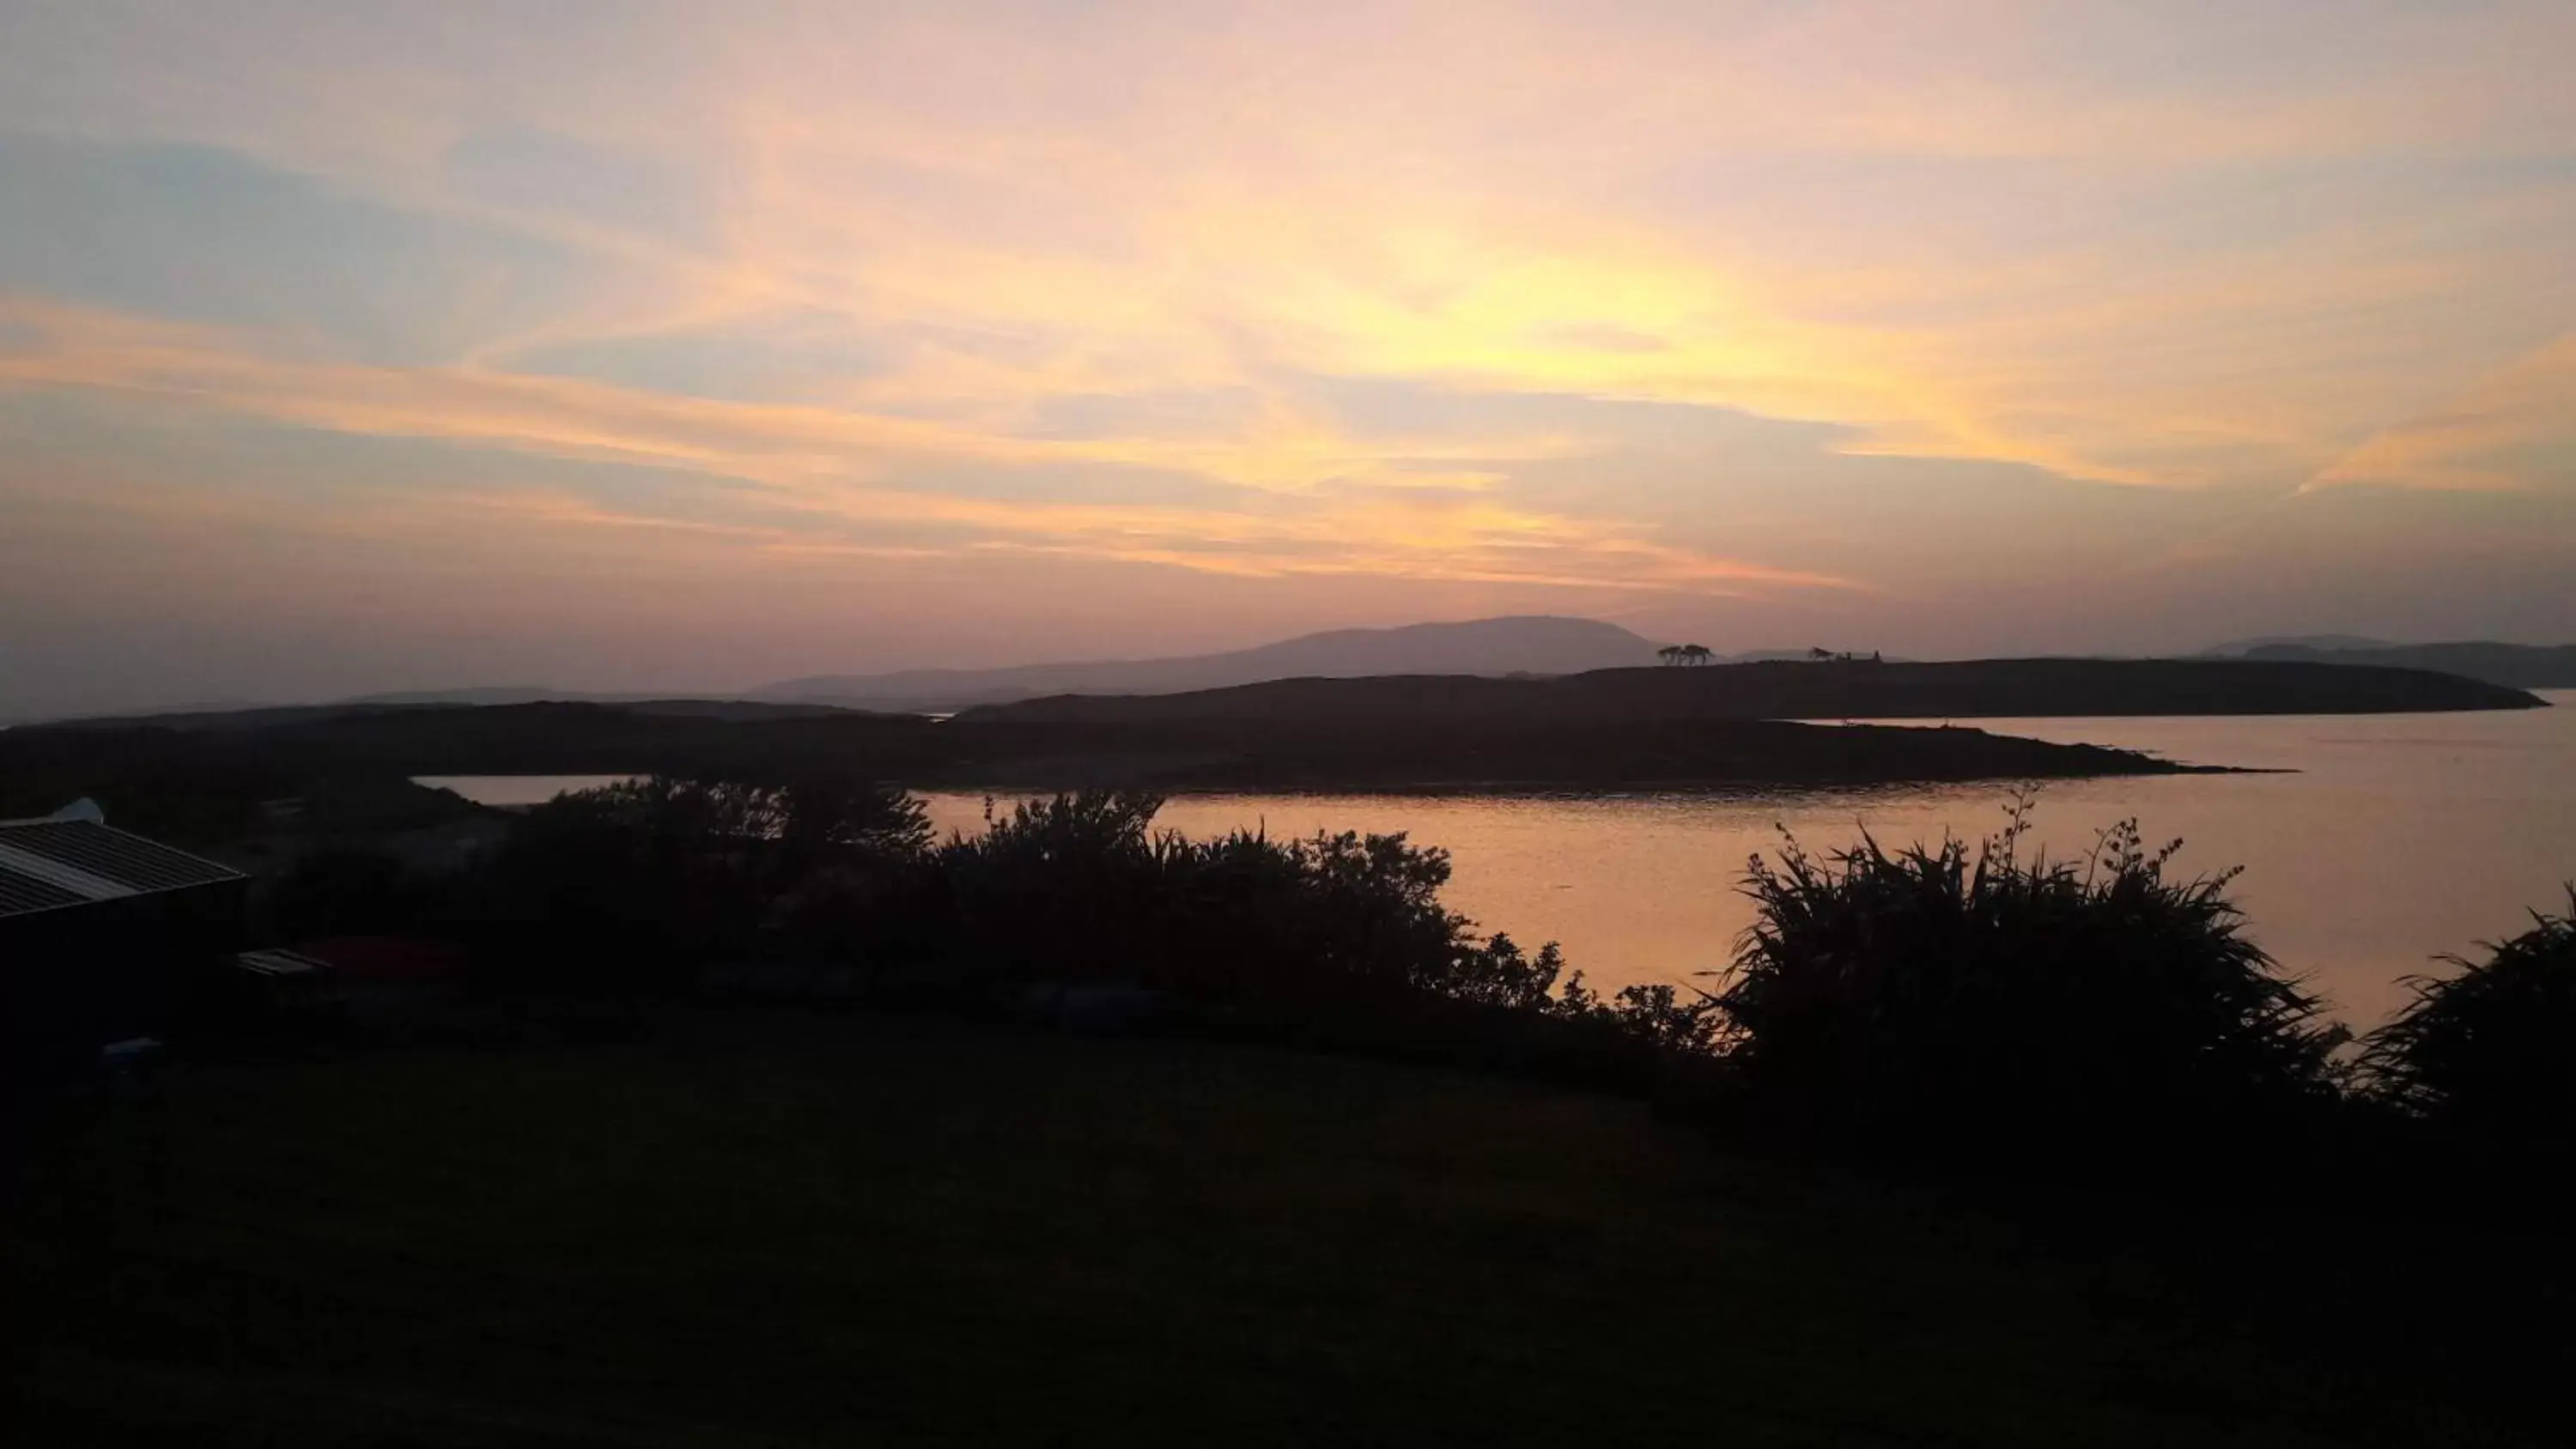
(2384, 841)
(2376, 843)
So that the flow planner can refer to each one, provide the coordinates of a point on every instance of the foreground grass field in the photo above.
(757, 1229)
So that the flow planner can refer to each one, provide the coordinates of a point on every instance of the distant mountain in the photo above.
(1538, 644)
(2239, 648)
(494, 694)
(2515, 666)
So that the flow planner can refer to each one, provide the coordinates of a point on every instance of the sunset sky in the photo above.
(350, 347)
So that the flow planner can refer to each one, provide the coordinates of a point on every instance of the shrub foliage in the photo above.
(640, 881)
(1955, 998)
(1082, 888)
(2490, 1052)
(1951, 1000)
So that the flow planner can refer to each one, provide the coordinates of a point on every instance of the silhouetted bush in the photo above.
(638, 883)
(1653, 1016)
(2487, 1057)
(345, 891)
(1952, 1001)
(1956, 1001)
(1060, 890)
(1081, 888)
(1339, 941)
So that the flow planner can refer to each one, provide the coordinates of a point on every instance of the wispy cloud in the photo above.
(2513, 431)
(1790, 306)
(1333, 505)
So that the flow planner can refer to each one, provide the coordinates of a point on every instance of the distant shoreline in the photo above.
(1778, 757)
(1545, 788)
(1715, 728)
(217, 783)
(1841, 690)
(1847, 691)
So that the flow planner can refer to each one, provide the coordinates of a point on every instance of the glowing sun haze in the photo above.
(367, 346)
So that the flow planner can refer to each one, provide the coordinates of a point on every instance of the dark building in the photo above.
(99, 931)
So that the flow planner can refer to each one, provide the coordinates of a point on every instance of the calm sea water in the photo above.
(2391, 839)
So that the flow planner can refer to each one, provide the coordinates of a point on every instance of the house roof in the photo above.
(20, 893)
(49, 864)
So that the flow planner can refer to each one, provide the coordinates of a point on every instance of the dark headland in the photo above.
(2517, 666)
(1716, 726)
(1839, 689)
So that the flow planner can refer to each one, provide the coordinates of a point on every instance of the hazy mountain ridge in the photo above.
(1527, 644)
(1539, 644)
(2322, 643)
(500, 694)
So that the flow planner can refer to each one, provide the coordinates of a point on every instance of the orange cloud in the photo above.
(1339, 508)
(2514, 431)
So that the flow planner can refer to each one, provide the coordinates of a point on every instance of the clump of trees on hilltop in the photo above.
(1957, 1002)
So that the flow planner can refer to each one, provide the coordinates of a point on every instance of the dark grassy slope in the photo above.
(852, 1230)
(2520, 666)
(200, 780)
(1788, 690)
(1399, 751)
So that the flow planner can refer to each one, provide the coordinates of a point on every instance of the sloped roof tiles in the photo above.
(49, 864)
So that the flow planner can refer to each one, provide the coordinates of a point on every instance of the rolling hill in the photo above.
(1536, 644)
(1985, 688)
